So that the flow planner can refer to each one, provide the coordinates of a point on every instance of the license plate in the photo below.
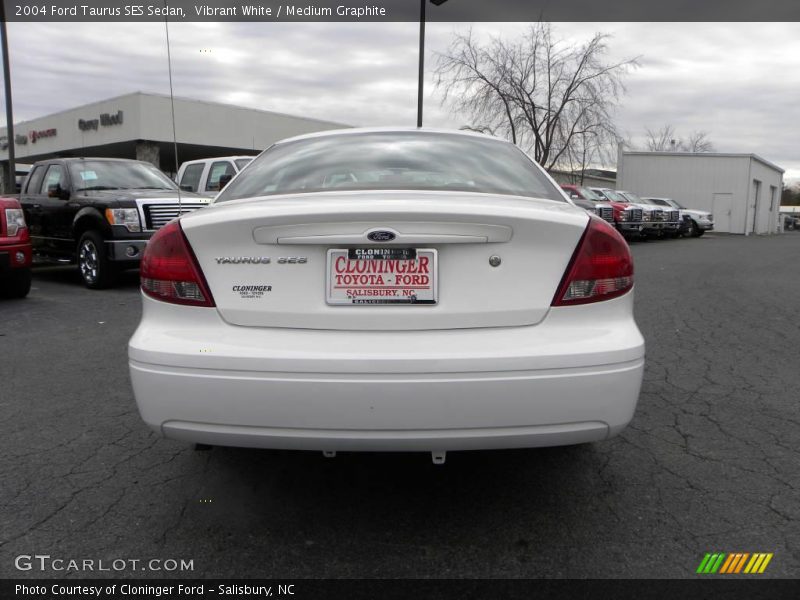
(382, 275)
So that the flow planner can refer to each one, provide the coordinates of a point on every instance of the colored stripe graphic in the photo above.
(718, 563)
(752, 563)
(712, 563)
(703, 563)
(759, 562)
(741, 562)
(728, 564)
(765, 563)
(733, 563)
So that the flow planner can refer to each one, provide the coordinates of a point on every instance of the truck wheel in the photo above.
(97, 270)
(696, 231)
(17, 284)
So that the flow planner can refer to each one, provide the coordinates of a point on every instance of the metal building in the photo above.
(743, 191)
(139, 126)
(587, 178)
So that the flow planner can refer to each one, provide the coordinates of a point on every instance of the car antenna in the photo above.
(172, 103)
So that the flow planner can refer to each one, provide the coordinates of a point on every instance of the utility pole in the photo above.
(420, 84)
(11, 171)
(421, 60)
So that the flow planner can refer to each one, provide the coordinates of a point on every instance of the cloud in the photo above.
(737, 81)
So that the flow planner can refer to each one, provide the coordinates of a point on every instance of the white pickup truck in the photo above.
(701, 220)
(208, 176)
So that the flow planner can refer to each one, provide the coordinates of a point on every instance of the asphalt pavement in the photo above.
(709, 464)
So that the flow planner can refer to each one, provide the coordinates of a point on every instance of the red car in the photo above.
(600, 206)
(15, 251)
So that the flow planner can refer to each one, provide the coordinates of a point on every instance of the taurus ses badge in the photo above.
(381, 236)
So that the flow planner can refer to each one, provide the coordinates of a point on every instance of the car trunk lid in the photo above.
(490, 261)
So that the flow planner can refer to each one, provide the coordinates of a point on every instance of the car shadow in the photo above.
(69, 275)
(401, 493)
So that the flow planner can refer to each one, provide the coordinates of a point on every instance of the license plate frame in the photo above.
(386, 291)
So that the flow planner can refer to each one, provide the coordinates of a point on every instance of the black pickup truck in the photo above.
(99, 212)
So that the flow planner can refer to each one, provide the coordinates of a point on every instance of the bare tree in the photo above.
(790, 195)
(551, 98)
(587, 150)
(667, 140)
(662, 140)
(698, 142)
(479, 129)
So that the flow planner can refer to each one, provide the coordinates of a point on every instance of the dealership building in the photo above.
(742, 191)
(139, 126)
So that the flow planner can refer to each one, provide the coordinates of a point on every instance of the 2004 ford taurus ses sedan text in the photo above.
(402, 290)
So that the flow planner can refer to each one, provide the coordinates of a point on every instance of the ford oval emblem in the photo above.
(380, 236)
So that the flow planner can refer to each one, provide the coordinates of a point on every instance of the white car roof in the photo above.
(203, 160)
(357, 130)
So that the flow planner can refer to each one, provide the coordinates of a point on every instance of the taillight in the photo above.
(169, 269)
(601, 267)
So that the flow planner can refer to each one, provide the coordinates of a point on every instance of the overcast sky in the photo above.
(738, 81)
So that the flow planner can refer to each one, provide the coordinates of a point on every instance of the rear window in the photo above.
(392, 161)
(631, 197)
(191, 176)
(53, 179)
(217, 170)
(35, 180)
(613, 196)
(589, 194)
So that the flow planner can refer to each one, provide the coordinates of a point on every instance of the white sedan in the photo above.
(398, 290)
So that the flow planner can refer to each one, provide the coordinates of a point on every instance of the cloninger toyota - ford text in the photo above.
(398, 290)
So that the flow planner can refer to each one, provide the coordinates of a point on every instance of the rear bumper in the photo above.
(419, 411)
(567, 380)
